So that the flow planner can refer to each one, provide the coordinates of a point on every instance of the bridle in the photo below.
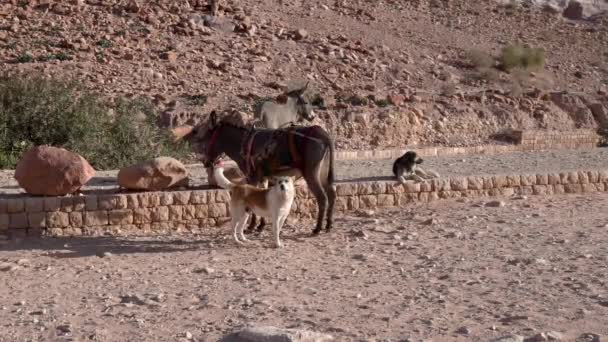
(214, 135)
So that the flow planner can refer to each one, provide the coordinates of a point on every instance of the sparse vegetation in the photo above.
(480, 59)
(60, 56)
(24, 58)
(36, 111)
(515, 56)
(104, 43)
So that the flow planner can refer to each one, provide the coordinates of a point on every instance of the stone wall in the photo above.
(196, 210)
(528, 140)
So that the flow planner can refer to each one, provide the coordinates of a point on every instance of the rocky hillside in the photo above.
(386, 73)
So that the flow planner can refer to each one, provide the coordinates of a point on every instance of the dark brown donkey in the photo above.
(261, 153)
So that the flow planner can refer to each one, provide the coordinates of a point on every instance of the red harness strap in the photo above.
(214, 137)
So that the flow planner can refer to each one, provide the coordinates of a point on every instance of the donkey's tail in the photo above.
(221, 180)
(331, 177)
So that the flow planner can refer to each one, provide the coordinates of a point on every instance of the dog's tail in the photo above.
(220, 179)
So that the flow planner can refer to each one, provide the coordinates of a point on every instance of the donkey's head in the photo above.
(203, 139)
(303, 107)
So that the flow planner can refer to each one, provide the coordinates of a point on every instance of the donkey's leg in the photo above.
(331, 196)
(315, 186)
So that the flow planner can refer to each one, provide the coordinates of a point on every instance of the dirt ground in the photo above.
(445, 271)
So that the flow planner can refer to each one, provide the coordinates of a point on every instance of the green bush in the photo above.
(515, 56)
(37, 111)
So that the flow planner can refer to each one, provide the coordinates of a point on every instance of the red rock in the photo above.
(52, 171)
(396, 99)
(156, 174)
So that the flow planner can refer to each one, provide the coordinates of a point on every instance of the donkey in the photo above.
(289, 108)
(261, 153)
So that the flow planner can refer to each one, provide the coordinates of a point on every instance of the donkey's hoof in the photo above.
(316, 232)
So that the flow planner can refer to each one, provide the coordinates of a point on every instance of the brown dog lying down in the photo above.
(407, 167)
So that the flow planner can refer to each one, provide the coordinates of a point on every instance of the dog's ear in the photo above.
(419, 161)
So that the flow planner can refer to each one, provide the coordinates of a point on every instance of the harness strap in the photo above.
(212, 141)
(248, 160)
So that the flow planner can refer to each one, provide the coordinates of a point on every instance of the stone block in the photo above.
(160, 214)
(90, 203)
(142, 215)
(440, 184)
(353, 203)
(593, 176)
(603, 176)
(542, 179)
(394, 188)
(188, 212)
(76, 219)
(132, 201)
(96, 218)
(386, 200)
(346, 189)
(559, 189)
(166, 198)
(78, 203)
(499, 182)
(57, 219)
(36, 219)
(148, 199)
(15, 205)
(573, 188)
(588, 187)
(181, 197)
(175, 212)
(539, 189)
(120, 216)
(459, 183)
(217, 210)
(583, 177)
(426, 186)
(488, 182)
(111, 202)
(18, 220)
(222, 196)
(554, 178)
(34, 205)
(199, 197)
(202, 211)
(368, 201)
(528, 180)
(365, 188)
(411, 187)
(3, 206)
(474, 183)
(378, 188)
(513, 181)
(67, 204)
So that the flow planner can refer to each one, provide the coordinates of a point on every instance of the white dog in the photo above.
(274, 202)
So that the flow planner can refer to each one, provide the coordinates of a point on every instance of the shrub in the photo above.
(480, 60)
(37, 111)
(515, 56)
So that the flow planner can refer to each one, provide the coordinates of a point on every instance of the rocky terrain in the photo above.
(463, 270)
(383, 73)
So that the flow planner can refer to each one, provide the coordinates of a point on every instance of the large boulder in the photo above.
(273, 334)
(156, 174)
(52, 171)
(575, 106)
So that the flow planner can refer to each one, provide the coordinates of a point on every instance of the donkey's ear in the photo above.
(301, 91)
(213, 119)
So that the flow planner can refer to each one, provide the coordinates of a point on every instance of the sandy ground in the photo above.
(519, 162)
(445, 271)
